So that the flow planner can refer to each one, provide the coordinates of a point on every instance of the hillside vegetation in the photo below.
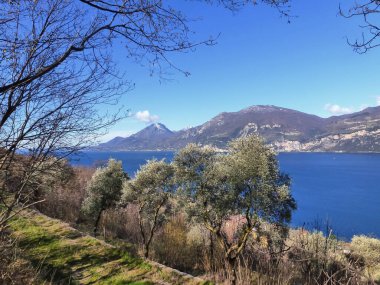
(63, 255)
(223, 217)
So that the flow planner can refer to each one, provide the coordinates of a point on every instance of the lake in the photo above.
(341, 190)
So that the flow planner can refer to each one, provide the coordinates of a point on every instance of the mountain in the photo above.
(284, 129)
(149, 138)
(271, 122)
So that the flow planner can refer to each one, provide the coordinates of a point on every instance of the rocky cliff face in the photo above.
(284, 129)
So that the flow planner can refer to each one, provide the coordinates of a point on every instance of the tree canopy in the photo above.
(150, 191)
(104, 190)
(243, 187)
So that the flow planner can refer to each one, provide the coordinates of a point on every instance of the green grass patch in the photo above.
(67, 256)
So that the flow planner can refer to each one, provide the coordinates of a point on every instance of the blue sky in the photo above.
(259, 59)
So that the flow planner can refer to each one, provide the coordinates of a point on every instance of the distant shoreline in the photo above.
(174, 150)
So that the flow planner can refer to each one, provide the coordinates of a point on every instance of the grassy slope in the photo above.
(66, 256)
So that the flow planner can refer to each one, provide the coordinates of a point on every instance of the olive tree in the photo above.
(151, 192)
(243, 187)
(103, 190)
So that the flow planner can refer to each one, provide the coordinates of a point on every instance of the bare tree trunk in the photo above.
(146, 250)
(212, 262)
(148, 240)
(146, 243)
(97, 222)
(232, 270)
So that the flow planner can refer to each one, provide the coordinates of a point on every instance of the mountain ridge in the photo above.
(282, 128)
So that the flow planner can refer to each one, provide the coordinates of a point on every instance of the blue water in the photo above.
(341, 190)
(131, 159)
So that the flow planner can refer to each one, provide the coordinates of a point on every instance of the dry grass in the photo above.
(14, 268)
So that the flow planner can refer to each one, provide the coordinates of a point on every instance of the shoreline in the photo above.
(174, 150)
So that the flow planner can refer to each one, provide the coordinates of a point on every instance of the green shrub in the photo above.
(104, 190)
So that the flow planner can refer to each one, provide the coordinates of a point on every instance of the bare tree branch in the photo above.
(367, 10)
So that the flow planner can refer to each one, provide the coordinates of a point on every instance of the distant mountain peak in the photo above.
(153, 130)
(284, 129)
(160, 126)
(157, 127)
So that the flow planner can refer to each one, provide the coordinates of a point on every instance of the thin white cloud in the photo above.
(336, 109)
(146, 117)
(378, 100)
